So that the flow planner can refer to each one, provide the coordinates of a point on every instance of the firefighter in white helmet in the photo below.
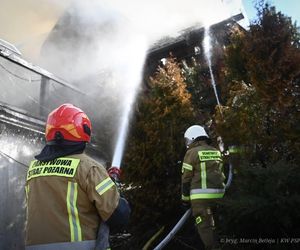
(202, 182)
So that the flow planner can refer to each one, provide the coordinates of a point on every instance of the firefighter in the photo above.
(202, 182)
(68, 193)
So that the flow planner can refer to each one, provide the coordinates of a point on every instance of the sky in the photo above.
(287, 7)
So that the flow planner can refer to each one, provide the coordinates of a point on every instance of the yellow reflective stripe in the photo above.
(27, 196)
(198, 220)
(65, 167)
(27, 191)
(206, 196)
(74, 223)
(210, 155)
(69, 212)
(185, 198)
(104, 185)
(187, 166)
(78, 227)
(203, 175)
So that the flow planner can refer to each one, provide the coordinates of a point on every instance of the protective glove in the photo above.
(114, 173)
(120, 217)
(185, 205)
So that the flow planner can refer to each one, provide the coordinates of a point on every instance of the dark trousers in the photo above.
(204, 221)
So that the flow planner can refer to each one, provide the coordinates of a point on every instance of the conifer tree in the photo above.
(261, 115)
(155, 149)
(263, 74)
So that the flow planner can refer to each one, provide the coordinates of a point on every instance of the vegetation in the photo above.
(261, 117)
(260, 93)
(155, 149)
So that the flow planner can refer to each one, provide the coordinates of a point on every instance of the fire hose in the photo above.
(186, 215)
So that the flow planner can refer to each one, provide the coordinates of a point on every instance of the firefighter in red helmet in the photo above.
(69, 122)
(68, 193)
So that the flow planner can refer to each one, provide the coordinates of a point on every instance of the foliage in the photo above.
(263, 73)
(261, 116)
(202, 94)
(260, 89)
(155, 148)
(266, 207)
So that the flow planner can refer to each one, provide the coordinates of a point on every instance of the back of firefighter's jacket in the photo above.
(67, 198)
(202, 174)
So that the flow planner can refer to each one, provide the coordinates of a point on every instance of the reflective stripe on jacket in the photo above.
(67, 199)
(81, 245)
(202, 173)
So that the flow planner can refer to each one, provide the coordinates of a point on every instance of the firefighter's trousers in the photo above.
(202, 212)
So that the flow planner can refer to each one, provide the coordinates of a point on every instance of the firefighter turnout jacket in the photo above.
(202, 174)
(67, 198)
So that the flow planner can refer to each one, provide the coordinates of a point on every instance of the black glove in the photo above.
(185, 205)
(120, 217)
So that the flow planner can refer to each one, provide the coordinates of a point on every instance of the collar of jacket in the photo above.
(50, 152)
(196, 144)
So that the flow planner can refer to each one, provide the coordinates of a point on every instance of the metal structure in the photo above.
(21, 137)
(8, 48)
(10, 55)
(25, 99)
(188, 43)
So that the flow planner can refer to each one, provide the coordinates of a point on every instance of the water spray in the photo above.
(207, 51)
(118, 154)
(115, 170)
(133, 78)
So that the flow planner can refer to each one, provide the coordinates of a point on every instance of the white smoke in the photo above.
(100, 45)
(157, 18)
(27, 23)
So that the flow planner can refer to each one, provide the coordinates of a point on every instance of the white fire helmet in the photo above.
(194, 132)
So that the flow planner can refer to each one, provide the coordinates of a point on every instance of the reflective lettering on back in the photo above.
(210, 155)
(65, 167)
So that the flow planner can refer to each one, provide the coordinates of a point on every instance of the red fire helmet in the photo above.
(69, 123)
